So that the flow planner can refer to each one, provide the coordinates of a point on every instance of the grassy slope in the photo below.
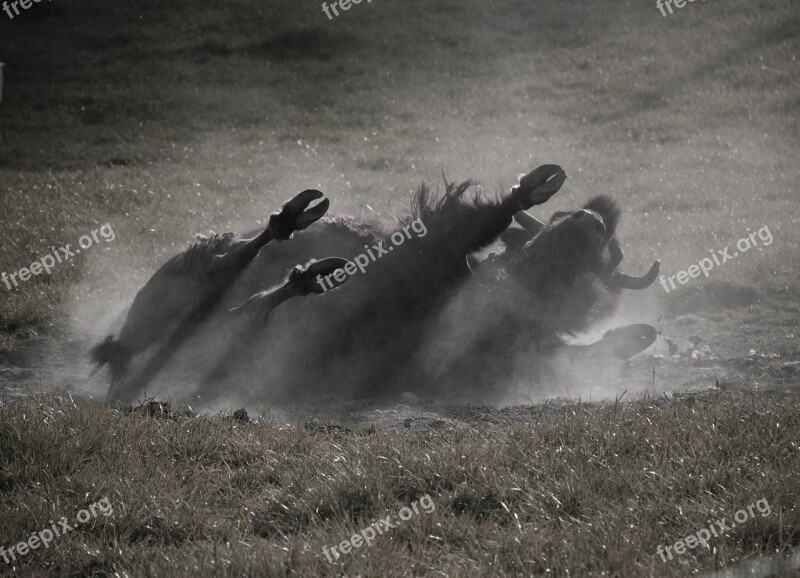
(576, 490)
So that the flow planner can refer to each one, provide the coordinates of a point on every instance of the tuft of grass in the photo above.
(577, 489)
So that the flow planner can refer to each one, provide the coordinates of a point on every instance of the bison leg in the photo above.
(300, 282)
(533, 189)
(294, 216)
(536, 187)
(221, 274)
(123, 390)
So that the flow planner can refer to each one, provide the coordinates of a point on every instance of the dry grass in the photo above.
(573, 490)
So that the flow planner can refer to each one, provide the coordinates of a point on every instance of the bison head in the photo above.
(564, 272)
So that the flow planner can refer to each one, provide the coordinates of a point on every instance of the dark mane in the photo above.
(459, 226)
(425, 202)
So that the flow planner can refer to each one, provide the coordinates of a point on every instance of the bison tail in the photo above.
(113, 353)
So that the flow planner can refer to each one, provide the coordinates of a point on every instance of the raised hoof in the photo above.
(311, 278)
(625, 342)
(296, 216)
(538, 186)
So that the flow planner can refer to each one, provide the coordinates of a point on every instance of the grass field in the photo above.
(168, 119)
(573, 490)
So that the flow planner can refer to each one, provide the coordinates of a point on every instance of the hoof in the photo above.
(296, 216)
(538, 186)
(311, 278)
(625, 342)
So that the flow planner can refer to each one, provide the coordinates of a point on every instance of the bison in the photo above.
(422, 312)
(186, 291)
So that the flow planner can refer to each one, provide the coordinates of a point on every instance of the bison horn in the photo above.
(629, 282)
(529, 222)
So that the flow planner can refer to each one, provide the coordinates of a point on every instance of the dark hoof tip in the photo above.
(539, 185)
(313, 214)
(300, 202)
(312, 276)
(625, 342)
